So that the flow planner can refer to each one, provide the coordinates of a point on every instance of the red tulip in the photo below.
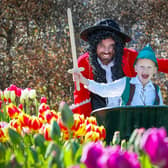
(12, 110)
(92, 136)
(47, 135)
(91, 120)
(35, 123)
(3, 135)
(21, 106)
(43, 100)
(43, 107)
(49, 115)
(24, 119)
(15, 123)
(78, 120)
(102, 132)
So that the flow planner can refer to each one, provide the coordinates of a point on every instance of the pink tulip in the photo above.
(1, 103)
(96, 156)
(114, 157)
(16, 89)
(20, 106)
(43, 100)
(155, 145)
(18, 92)
(92, 151)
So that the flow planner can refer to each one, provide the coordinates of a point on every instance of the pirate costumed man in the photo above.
(107, 60)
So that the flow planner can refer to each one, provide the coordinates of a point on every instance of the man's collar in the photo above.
(111, 64)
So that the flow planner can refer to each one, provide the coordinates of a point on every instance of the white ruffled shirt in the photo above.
(110, 101)
(143, 95)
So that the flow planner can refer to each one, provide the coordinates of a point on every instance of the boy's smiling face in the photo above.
(145, 69)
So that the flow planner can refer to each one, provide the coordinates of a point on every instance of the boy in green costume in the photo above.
(138, 90)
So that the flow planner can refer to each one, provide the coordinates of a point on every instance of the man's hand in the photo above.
(77, 76)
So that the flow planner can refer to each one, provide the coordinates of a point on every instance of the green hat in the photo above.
(147, 53)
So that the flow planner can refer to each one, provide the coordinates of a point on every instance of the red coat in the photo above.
(82, 97)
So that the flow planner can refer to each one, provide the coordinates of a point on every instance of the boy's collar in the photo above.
(136, 80)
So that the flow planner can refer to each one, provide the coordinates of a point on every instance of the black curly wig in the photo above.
(93, 40)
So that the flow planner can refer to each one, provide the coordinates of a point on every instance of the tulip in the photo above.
(12, 111)
(123, 145)
(22, 100)
(91, 153)
(47, 130)
(90, 127)
(81, 131)
(0, 104)
(102, 132)
(3, 135)
(49, 115)
(65, 135)
(115, 157)
(16, 124)
(116, 138)
(20, 106)
(12, 96)
(98, 132)
(43, 107)
(91, 120)
(138, 138)
(78, 120)
(18, 92)
(9, 100)
(24, 119)
(43, 100)
(35, 123)
(155, 145)
(3, 124)
(92, 136)
(12, 87)
(1, 95)
(32, 94)
(15, 89)
(108, 151)
(25, 94)
(6, 93)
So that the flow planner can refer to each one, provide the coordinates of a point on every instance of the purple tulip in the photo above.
(113, 157)
(132, 158)
(102, 162)
(92, 151)
(155, 145)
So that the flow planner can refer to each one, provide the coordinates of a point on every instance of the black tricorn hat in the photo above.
(106, 24)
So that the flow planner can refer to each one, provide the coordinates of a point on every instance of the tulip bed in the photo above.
(33, 135)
